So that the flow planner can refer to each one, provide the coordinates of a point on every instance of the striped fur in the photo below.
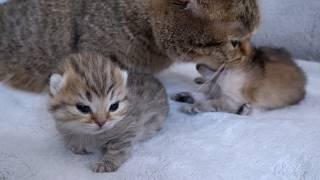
(146, 36)
(94, 81)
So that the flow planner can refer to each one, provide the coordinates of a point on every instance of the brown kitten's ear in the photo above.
(246, 47)
(56, 83)
(205, 71)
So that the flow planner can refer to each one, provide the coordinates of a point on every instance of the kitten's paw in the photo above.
(189, 109)
(197, 108)
(183, 97)
(245, 109)
(104, 166)
(199, 80)
(77, 150)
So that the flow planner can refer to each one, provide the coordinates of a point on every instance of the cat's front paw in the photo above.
(183, 97)
(104, 167)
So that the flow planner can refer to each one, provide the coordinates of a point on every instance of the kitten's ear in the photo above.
(205, 71)
(56, 83)
(124, 74)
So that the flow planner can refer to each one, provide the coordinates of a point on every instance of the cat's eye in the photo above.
(114, 107)
(83, 108)
(182, 4)
(207, 45)
(235, 43)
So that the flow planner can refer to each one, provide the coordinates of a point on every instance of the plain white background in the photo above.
(294, 24)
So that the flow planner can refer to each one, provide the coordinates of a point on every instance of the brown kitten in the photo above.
(97, 105)
(266, 78)
(145, 35)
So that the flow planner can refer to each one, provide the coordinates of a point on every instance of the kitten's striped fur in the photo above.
(94, 84)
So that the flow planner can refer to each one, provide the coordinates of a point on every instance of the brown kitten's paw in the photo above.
(199, 80)
(245, 109)
(196, 108)
(104, 166)
(183, 97)
(189, 109)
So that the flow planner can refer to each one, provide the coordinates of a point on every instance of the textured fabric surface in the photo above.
(276, 145)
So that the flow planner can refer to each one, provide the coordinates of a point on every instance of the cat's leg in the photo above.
(77, 144)
(116, 152)
(222, 104)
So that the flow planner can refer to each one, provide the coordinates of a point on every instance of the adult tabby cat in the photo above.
(142, 35)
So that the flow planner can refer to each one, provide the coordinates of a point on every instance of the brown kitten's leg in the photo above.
(116, 152)
(223, 104)
(183, 97)
(199, 80)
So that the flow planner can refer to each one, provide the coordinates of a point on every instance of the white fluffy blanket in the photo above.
(277, 145)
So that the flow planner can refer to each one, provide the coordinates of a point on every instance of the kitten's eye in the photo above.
(114, 107)
(181, 3)
(83, 108)
(235, 43)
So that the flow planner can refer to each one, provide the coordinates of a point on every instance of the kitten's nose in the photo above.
(100, 123)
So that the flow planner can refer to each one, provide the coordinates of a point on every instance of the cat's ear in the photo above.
(124, 74)
(205, 71)
(56, 83)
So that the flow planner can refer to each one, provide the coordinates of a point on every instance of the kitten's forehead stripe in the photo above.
(96, 72)
(88, 95)
(110, 88)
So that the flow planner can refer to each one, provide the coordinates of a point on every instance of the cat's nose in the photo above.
(100, 123)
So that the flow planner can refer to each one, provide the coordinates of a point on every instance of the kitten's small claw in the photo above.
(184, 97)
(104, 166)
(199, 80)
(189, 109)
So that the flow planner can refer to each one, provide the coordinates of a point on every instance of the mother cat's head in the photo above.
(192, 30)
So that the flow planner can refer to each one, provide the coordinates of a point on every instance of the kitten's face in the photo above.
(90, 97)
(195, 30)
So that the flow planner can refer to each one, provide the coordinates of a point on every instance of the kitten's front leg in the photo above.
(183, 97)
(199, 107)
(188, 97)
(116, 153)
(76, 144)
(223, 104)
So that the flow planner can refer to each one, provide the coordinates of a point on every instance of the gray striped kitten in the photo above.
(97, 105)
